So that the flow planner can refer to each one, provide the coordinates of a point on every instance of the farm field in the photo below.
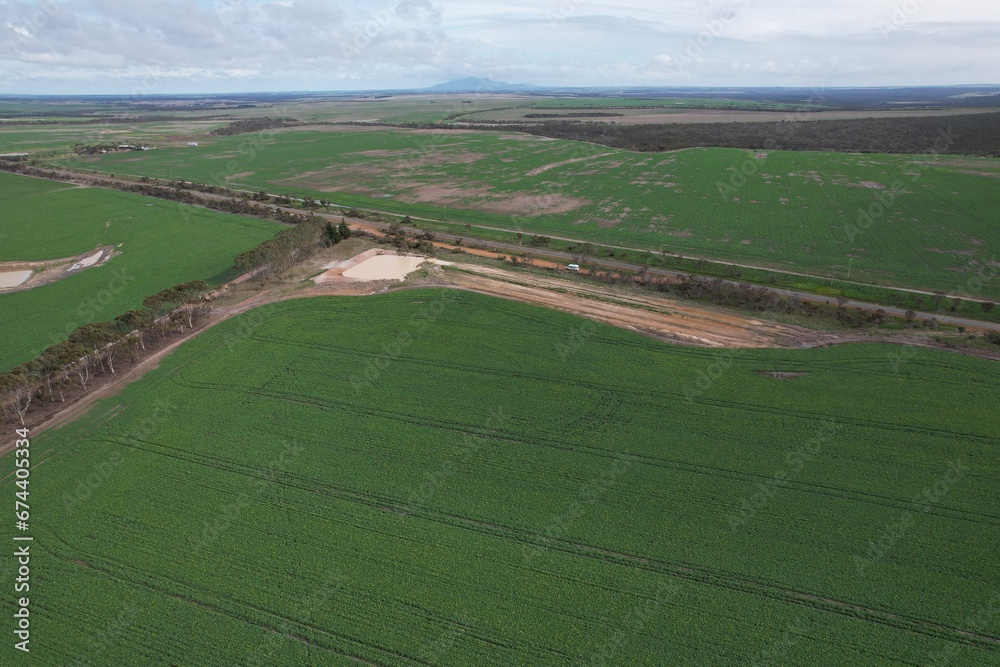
(17, 187)
(62, 137)
(663, 103)
(821, 213)
(688, 113)
(160, 244)
(430, 477)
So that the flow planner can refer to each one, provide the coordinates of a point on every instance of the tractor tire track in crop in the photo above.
(680, 570)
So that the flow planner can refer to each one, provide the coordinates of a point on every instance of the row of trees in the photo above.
(94, 349)
(397, 236)
(972, 134)
(229, 201)
(738, 295)
(577, 114)
(247, 125)
(280, 253)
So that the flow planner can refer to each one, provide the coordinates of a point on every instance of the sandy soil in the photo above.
(384, 267)
(370, 265)
(52, 270)
(87, 262)
(10, 279)
(652, 315)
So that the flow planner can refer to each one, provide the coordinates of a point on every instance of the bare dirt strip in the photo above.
(659, 317)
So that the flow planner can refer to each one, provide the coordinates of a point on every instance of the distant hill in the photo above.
(475, 84)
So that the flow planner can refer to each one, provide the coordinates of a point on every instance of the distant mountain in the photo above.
(475, 84)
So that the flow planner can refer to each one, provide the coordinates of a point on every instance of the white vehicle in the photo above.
(573, 267)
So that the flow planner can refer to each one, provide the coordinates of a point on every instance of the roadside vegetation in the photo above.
(822, 213)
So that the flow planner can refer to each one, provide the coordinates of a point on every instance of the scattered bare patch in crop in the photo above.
(383, 153)
(783, 375)
(447, 193)
(526, 204)
(554, 165)
(989, 174)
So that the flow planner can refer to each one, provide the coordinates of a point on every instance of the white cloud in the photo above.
(320, 44)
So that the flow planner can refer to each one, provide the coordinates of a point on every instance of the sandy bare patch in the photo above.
(419, 158)
(448, 193)
(488, 200)
(384, 267)
(525, 204)
(87, 262)
(14, 278)
(49, 271)
(649, 314)
(988, 174)
(554, 165)
(783, 375)
(370, 265)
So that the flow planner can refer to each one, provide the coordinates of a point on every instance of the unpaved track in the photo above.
(660, 318)
(111, 385)
(653, 315)
(89, 177)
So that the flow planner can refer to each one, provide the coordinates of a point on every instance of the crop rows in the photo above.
(485, 501)
(160, 243)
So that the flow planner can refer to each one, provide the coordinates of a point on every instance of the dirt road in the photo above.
(565, 257)
(653, 315)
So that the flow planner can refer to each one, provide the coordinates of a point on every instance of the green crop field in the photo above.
(62, 137)
(160, 244)
(440, 478)
(664, 102)
(892, 220)
(19, 187)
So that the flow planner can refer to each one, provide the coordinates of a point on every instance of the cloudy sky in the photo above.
(164, 46)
